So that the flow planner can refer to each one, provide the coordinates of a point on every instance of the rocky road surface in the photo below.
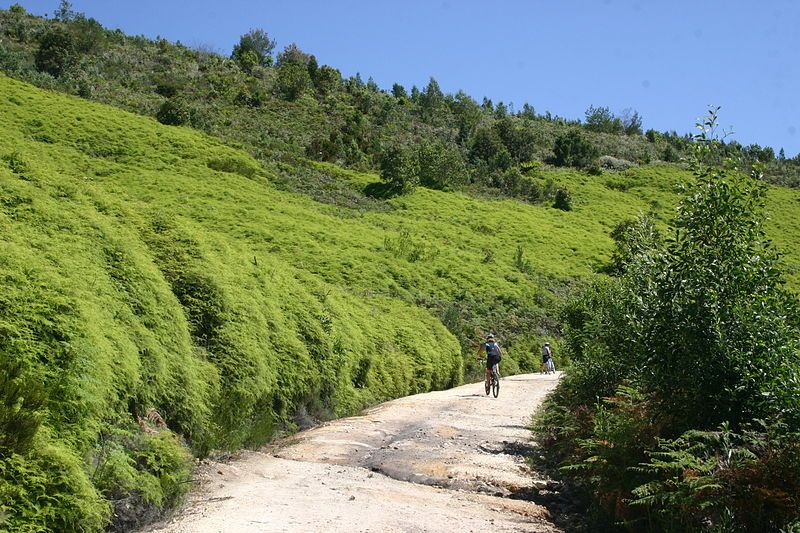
(450, 460)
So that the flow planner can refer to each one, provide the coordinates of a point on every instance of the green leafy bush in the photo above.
(174, 112)
(562, 200)
(293, 80)
(696, 332)
(399, 169)
(573, 149)
(57, 51)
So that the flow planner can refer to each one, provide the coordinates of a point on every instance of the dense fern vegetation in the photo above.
(268, 244)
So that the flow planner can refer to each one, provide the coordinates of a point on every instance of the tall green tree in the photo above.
(601, 119)
(254, 49)
(57, 51)
(399, 169)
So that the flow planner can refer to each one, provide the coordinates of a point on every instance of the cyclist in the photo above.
(547, 359)
(493, 354)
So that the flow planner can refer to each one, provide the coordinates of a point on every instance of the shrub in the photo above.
(17, 165)
(293, 80)
(234, 165)
(398, 170)
(734, 481)
(48, 490)
(21, 408)
(174, 112)
(57, 51)
(573, 149)
(615, 164)
(696, 332)
(520, 262)
(169, 85)
(440, 166)
(563, 199)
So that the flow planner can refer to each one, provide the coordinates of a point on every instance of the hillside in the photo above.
(282, 105)
(151, 267)
(200, 253)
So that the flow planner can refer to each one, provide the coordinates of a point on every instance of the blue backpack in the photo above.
(493, 350)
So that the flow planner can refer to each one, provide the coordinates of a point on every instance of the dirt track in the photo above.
(443, 461)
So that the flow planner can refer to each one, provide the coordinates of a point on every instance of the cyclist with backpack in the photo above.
(493, 354)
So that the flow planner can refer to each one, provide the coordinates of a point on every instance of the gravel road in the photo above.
(443, 461)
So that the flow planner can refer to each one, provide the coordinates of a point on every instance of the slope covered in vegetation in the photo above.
(150, 267)
(239, 284)
(285, 106)
(682, 411)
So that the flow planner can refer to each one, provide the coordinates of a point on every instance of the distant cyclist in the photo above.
(547, 359)
(493, 354)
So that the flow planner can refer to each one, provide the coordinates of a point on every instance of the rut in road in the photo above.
(440, 461)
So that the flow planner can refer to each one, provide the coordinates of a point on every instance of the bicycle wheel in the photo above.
(487, 383)
(495, 384)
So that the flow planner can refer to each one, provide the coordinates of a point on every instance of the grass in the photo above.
(146, 266)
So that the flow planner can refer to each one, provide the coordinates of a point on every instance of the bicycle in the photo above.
(492, 382)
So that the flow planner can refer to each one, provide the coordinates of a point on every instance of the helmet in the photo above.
(547, 344)
(490, 336)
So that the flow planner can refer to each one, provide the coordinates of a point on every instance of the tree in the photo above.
(527, 111)
(56, 52)
(518, 140)
(431, 99)
(601, 119)
(631, 122)
(467, 114)
(372, 85)
(64, 12)
(398, 91)
(293, 80)
(293, 54)
(327, 80)
(489, 148)
(398, 169)
(573, 149)
(88, 34)
(254, 49)
(440, 166)
(632, 238)
(719, 306)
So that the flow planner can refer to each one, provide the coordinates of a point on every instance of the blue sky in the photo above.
(668, 60)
